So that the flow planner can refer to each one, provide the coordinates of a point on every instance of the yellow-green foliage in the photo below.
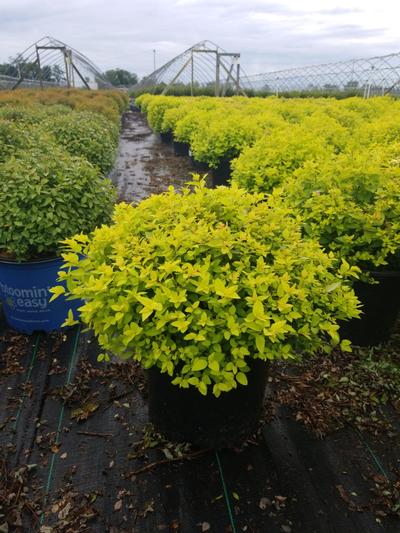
(143, 100)
(197, 283)
(156, 109)
(275, 156)
(86, 134)
(47, 195)
(337, 161)
(352, 205)
(55, 146)
(109, 103)
(221, 138)
(85, 123)
(218, 128)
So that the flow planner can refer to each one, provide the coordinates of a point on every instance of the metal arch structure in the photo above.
(203, 65)
(367, 77)
(51, 63)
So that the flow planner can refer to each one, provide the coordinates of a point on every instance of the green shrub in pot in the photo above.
(48, 195)
(351, 204)
(273, 158)
(156, 109)
(15, 136)
(25, 115)
(12, 137)
(222, 136)
(199, 283)
(88, 135)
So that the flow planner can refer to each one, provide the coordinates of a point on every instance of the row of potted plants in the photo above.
(108, 103)
(207, 286)
(52, 165)
(338, 171)
(220, 128)
(204, 288)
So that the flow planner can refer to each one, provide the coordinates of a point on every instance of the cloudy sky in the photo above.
(269, 34)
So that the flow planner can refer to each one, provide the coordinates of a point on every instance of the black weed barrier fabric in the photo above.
(80, 431)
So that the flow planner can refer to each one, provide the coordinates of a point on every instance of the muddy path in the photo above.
(144, 165)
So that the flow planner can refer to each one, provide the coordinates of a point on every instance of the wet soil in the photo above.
(144, 165)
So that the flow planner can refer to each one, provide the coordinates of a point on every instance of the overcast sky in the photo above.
(269, 34)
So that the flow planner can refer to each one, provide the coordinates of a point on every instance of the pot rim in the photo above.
(29, 261)
(383, 273)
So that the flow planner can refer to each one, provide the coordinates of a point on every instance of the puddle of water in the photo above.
(144, 165)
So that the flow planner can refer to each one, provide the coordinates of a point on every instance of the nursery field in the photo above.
(79, 448)
(335, 162)
(199, 282)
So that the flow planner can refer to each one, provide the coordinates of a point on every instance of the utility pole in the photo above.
(39, 67)
(191, 74)
(217, 66)
(154, 60)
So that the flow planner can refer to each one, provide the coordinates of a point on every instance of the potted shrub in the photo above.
(351, 204)
(88, 135)
(273, 158)
(203, 288)
(15, 136)
(46, 196)
(183, 120)
(220, 138)
(155, 114)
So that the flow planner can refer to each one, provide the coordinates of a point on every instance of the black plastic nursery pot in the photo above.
(180, 148)
(166, 137)
(380, 307)
(185, 415)
(198, 165)
(221, 175)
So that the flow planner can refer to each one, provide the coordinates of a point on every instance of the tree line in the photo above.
(118, 77)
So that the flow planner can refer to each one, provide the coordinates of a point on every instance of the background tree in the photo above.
(119, 76)
(58, 73)
(352, 84)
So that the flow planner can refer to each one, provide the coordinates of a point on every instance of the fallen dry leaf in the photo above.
(82, 413)
(65, 511)
(264, 503)
(118, 505)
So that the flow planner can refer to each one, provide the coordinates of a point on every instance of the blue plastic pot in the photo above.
(24, 292)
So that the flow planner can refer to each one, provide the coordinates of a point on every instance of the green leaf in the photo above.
(333, 286)
(345, 345)
(70, 320)
(260, 343)
(258, 310)
(199, 364)
(213, 365)
(241, 378)
(202, 388)
(56, 291)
